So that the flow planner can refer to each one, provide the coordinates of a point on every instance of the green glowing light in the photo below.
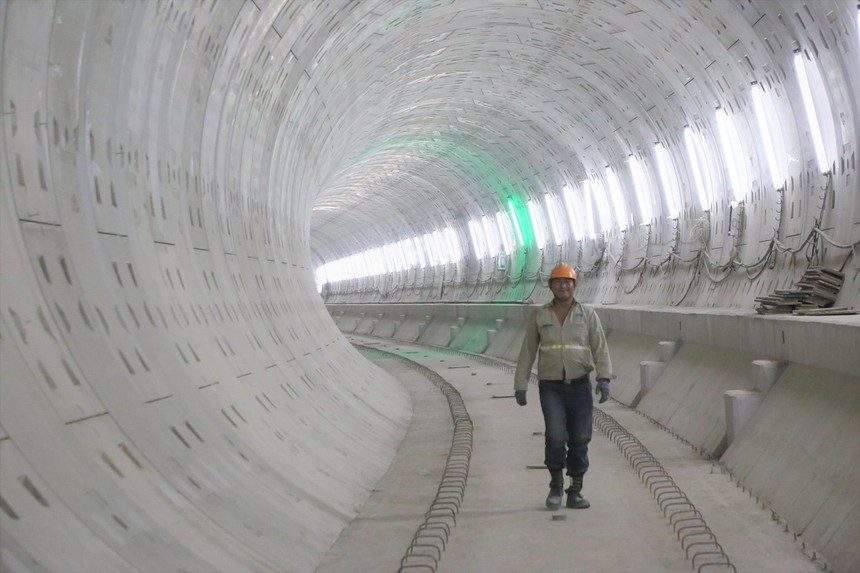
(462, 155)
(514, 215)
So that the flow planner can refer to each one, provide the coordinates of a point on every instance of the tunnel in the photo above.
(220, 218)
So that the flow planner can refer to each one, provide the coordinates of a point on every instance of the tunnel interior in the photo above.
(186, 186)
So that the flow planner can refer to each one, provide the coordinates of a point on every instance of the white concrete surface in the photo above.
(741, 406)
(173, 393)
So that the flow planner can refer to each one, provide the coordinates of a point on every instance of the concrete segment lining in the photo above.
(174, 394)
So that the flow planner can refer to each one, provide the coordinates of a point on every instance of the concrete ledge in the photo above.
(822, 341)
(828, 342)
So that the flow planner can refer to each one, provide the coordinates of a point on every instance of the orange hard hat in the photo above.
(562, 271)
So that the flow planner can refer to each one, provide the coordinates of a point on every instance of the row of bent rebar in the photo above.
(431, 537)
(697, 539)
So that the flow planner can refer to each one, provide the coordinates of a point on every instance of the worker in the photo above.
(568, 341)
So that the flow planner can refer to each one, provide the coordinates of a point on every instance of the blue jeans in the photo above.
(567, 414)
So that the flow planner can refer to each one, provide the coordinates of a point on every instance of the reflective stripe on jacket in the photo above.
(563, 351)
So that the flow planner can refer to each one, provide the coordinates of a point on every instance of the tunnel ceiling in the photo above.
(436, 111)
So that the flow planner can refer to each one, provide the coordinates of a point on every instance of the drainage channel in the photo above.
(431, 536)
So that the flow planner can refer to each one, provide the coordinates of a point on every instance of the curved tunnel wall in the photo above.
(174, 393)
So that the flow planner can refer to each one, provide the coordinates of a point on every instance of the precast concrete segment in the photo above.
(161, 400)
(167, 399)
(212, 459)
(160, 161)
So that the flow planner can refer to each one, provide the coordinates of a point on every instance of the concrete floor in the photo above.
(503, 526)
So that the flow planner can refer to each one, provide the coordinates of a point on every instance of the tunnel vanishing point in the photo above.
(202, 198)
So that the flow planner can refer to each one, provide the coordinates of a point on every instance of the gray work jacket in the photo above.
(564, 351)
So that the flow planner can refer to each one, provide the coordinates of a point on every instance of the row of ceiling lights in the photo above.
(573, 211)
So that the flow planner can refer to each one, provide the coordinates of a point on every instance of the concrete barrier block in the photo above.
(741, 405)
(454, 331)
(668, 348)
(766, 373)
(649, 372)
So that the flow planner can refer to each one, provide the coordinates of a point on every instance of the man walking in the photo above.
(568, 341)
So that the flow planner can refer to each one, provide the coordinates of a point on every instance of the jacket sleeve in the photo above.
(528, 353)
(599, 347)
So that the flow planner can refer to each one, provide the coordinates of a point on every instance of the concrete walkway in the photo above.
(377, 538)
(503, 526)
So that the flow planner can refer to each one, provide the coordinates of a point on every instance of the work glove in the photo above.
(520, 395)
(603, 390)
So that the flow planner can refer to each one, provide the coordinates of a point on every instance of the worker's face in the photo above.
(562, 289)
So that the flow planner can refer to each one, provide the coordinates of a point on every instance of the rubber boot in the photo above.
(574, 494)
(556, 490)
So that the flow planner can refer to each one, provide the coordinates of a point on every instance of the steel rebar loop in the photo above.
(671, 500)
(723, 565)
